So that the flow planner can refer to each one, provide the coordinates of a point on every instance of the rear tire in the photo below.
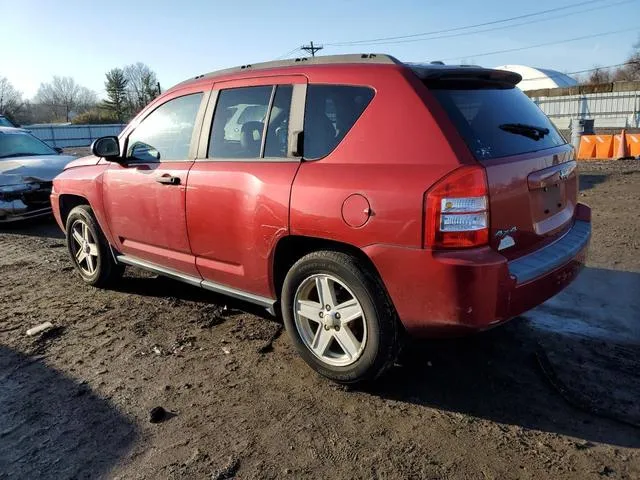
(89, 249)
(339, 317)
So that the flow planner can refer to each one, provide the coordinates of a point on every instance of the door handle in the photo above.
(168, 180)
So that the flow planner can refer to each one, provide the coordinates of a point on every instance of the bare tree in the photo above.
(630, 71)
(141, 86)
(64, 95)
(11, 102)
(87, 99)
(599, 75)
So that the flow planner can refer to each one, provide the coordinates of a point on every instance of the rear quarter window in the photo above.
(479, 114)
(330, 112)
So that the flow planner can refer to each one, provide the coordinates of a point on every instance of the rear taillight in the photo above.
(457, 210)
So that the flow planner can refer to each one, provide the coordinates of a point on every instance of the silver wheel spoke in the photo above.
(85, 232)
(347, 341)
(326, 292)
(321, 341)
(90, 264)
(93, 249)
(349, 310)
(80, 256)
(310, 310)
(77, 236)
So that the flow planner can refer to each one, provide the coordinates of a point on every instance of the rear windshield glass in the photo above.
(498, 122)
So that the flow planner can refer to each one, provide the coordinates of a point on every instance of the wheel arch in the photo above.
(68, 202)
(291, 248)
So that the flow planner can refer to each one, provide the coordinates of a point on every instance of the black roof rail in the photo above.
(363, 58)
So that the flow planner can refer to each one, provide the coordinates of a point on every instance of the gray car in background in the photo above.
(27, 168)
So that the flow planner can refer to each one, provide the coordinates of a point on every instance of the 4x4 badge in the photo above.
(504, 233)
(566, 171)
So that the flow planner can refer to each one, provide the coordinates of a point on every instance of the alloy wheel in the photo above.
(330, 320)
(84, 247)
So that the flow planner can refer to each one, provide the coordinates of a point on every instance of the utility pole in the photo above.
(159, 91)
(311, 48)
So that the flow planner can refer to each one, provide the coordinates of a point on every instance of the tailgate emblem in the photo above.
(566, 171)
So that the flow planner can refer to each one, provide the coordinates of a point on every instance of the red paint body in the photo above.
(223, 223)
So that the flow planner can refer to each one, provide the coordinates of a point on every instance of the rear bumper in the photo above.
(448, 293)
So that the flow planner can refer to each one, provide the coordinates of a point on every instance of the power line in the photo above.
(574, 39)
(311, 49)
(466, 27)
(606, 67)
(285, 55)
(492, 29)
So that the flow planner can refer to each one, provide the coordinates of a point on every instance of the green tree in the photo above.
(116, 87)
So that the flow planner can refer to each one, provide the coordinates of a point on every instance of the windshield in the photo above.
(4, 122)
(498, 122)
(22, 144)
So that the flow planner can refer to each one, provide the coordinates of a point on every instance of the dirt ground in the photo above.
(553, 394)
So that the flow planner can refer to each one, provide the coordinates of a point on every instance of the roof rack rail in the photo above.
(375, 58)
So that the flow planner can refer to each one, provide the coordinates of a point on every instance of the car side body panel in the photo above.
(85, 182)
(238, 209)
(236, 213)
(391, 174)
(147, 218)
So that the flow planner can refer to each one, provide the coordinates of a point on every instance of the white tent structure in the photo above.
(536, 78)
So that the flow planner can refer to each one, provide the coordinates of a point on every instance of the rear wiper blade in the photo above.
(530, 131)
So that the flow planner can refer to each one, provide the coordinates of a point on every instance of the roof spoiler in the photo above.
(449, 73)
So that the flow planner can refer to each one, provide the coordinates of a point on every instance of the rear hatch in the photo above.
(531, 171)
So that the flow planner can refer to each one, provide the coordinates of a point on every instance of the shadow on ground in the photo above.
(139, 282)
(53, 427)
(37, 227)
(496, 375)
(590, 180)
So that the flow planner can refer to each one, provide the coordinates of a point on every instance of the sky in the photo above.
(178, 40)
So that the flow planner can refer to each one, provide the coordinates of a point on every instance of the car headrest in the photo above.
(251, 137)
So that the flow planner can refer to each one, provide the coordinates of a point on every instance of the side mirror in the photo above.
(297, 143)
(58, 149)
(106, 147)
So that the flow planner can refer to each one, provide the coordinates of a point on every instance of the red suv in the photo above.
(361, 196)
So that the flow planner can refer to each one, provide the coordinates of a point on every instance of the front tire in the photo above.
(89, 249)
(339, 317)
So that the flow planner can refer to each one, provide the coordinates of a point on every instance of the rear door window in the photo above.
(330, 112)
(248, 118)
(238, 122)
(497, 122)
